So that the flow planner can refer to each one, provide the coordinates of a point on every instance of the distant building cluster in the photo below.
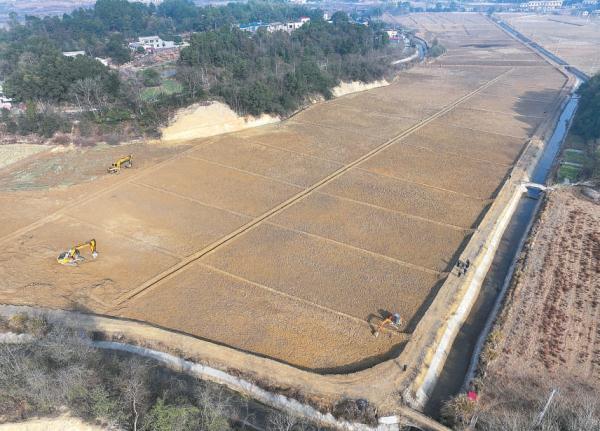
(542, 5)
(152, 43)
(288, 27)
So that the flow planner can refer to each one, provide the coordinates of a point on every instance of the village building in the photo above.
(152, 43)
(542, 5)
(73, 53)
(288, 27)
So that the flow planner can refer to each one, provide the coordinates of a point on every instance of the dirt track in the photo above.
(286, 240)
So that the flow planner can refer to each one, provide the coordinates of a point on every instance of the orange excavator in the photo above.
(393, 320)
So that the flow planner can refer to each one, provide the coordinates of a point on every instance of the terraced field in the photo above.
(290, 240)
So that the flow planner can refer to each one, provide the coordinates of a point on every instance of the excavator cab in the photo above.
(126, 162)
(73, 256)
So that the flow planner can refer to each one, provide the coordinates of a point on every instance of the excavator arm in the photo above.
(126, 161)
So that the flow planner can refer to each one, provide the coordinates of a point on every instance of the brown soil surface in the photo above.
(550, 326)
(572, 38)
(286, 240)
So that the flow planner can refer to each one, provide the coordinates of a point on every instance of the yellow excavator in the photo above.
(73, 256)
(126, 162)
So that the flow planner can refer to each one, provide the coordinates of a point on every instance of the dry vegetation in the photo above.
(548, 335)
(47, 369)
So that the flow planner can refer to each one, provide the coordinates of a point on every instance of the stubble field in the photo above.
(572, 38)
(290, 240)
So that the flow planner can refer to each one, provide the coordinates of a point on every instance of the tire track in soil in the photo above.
(170, 272)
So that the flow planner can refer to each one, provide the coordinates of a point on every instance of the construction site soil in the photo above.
(550, 326)
(288, 240)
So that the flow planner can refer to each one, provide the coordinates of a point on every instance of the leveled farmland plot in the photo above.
(455, 173)
(354, 120)
(122, 263)
(502, 89)
(200, 301)
(389, 106)
(330, 275)
(521, 107)
(27, 211)
(220, 187)
(407, 239)
(406, 197)
(438, 137)
(329, 144)
(268, 161)
(492, 122)
(537, 78)
(160, 218)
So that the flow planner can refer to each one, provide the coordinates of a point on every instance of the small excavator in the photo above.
(73, 256)
(126, 162)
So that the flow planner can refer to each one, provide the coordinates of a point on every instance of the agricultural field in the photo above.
(167, 87)
(290, 240)
(574, 39)
(548, 335)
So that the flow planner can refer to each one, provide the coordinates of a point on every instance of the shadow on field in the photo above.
(534, 106)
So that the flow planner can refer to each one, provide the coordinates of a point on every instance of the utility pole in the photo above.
(540, 417)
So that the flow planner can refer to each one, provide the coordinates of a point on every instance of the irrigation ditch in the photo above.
(463, 358)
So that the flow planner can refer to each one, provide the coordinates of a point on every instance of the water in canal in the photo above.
(453, 374)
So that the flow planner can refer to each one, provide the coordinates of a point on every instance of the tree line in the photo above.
(59, 368)
(101, 31)
(587, 124)
(277, 72)
(257, 73)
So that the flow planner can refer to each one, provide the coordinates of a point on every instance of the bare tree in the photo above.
(193, 78)
(282, 421)
(89, 94)
(134, 388)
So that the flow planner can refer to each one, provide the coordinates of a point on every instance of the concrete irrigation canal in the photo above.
(464, 355)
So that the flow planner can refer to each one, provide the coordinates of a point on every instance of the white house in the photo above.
(541, 5)
(73, 53)
(289, 26)
(152, 42)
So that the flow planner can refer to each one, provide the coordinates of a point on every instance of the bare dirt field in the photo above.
(548, 335)
(289, 239)
(574, 39)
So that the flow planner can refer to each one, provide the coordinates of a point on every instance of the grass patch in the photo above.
(569, 172)
(168, 86)
(574, 157)
(575, 142)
